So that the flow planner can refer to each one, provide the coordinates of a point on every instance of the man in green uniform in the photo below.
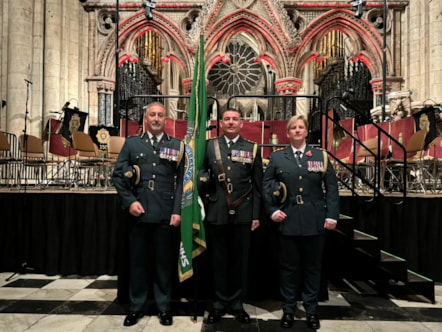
(148, 176)
(231, 181)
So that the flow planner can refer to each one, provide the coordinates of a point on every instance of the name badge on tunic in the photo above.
(242, 156)
(169, 154)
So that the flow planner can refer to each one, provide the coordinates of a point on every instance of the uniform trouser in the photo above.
(300, 271)
(229, 247)
(152, 261)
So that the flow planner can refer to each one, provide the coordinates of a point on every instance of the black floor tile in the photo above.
(116, 308)
(230, 324)
(103, 284)
(363, 301)
(77, 276)
(81, 308)
(31, 306)
(5, 304)
(29, 283)
(425, 314)
(273, 326)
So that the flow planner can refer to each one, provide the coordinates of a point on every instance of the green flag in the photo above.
(193, 239)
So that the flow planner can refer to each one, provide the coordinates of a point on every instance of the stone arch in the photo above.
(366, 41)
(136, 25)
(272, 46)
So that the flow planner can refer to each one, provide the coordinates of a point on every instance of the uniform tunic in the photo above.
(312, 196)
(152, 249)
(229, 234)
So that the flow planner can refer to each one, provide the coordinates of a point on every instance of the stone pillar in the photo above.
(2, 66)
(19, 66)
(52, 56)
(435, 48)
(93, 81)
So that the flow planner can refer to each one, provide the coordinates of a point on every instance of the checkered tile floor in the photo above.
(34, 302)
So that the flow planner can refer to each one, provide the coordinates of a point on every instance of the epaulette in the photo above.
(324, 153)
(181, 154)
(247, 140)
(255, 150)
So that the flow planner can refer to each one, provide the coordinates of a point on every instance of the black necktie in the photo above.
(230, 144)
(154, 141)
(298, 156)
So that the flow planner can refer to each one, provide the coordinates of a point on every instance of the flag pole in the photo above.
(193, 240)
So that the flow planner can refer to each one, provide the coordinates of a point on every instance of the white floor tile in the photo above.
(15, 293)
(69, 284)
(95, 295)
(17, 322)
(387, 326)
(71, 323)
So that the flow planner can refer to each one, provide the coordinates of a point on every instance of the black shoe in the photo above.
(287, 320)
(132, 318)
(215, 316)
(242, 316)
(165, 318)
(313, 322)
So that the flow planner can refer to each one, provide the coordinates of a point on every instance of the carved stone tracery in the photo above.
(242, 3)
(275, 32)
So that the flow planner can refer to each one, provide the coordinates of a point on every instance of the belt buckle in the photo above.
(222, 177)
(151, 185)
(299, 200)
(229, 188)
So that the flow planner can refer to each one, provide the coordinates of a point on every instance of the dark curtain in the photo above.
(69, 233)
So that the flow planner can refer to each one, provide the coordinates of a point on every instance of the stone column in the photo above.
(435, 45)
(285, 87)
(19, 64)
(52, 56)
(92, 79)
(2, 66)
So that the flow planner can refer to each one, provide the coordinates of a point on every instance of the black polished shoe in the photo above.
(287, 320)
(132, 318)
(313, 322)
(242, 316)
(165, 318)
(215, 316)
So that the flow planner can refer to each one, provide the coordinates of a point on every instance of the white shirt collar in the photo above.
(233, 140)
(159, 136)
(301, 149)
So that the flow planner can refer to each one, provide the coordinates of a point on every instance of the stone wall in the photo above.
(421, 59)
